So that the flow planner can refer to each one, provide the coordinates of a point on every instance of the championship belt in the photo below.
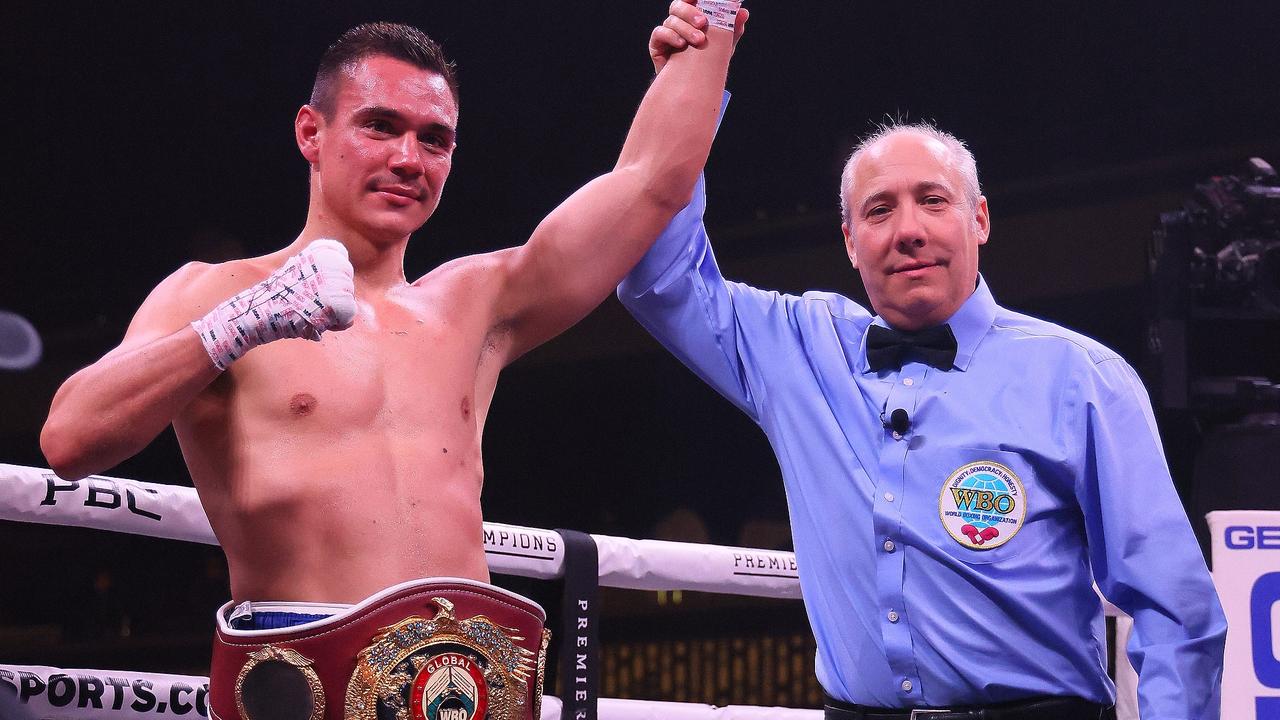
(444, 669)
(404, 654)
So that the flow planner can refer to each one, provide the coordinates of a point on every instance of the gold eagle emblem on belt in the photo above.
(444, 669)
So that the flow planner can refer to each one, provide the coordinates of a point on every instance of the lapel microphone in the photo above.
(899, 421)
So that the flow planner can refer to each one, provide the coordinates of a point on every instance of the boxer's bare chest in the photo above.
(367, 440)
(414, 370)
(408, 363)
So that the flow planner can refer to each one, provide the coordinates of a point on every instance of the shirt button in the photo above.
(908, 382)
(888, 497)
(906, 685)
(889, 546)
(893, 616)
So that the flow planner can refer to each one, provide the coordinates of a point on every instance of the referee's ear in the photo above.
(849, 249)
(982, 220)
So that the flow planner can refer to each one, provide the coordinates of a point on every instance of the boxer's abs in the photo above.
(337, 524)
(332, 471)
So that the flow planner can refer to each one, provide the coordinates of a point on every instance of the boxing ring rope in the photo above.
(37, 495)
(46, 692)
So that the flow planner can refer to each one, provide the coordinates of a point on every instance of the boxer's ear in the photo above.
(307, 127)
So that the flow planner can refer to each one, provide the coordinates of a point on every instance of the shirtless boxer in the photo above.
(336, 470)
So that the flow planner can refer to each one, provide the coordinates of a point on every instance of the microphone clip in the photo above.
(899, 421)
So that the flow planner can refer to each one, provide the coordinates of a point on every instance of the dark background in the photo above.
(139, 136)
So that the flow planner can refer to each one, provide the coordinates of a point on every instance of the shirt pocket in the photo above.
(975, 504)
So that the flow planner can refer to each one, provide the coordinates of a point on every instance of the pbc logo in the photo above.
(103, 493)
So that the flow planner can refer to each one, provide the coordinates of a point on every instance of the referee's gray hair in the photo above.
(960, 158)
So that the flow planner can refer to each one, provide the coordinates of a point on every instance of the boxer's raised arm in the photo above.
(581, 250)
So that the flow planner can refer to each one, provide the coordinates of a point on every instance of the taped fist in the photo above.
(312, 292)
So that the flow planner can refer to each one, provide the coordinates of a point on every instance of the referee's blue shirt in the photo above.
(911, 604)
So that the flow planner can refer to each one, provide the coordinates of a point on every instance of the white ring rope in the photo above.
(36, 691)
(37, 495)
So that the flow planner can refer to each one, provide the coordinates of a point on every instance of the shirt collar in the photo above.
(969, 324)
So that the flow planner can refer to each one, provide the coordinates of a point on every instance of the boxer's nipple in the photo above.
(303, 404)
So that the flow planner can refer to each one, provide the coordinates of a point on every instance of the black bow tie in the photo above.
(887, 347)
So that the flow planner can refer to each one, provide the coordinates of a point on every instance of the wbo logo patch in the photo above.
(450, 686)
(983, 505)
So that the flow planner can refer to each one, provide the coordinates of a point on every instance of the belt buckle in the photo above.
(473, 661)
(921, 713)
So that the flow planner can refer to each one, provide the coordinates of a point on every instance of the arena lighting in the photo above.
(20, 346)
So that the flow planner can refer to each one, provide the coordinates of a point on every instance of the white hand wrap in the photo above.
(312, 292)
(721, 14)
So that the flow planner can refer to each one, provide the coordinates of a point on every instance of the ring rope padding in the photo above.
(38, 495)
(29, 692)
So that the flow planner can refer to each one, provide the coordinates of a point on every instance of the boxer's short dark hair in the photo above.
(402, 42)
